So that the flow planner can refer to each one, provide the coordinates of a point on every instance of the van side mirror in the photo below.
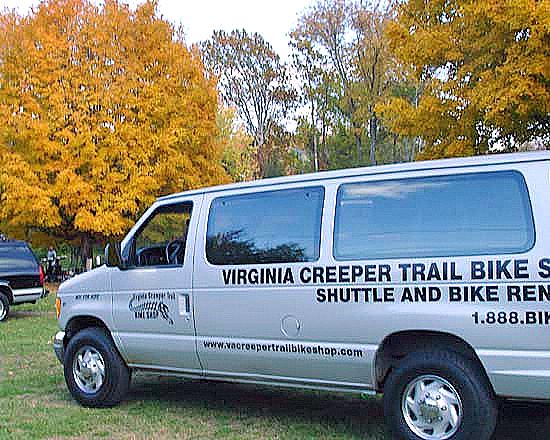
(113, 257)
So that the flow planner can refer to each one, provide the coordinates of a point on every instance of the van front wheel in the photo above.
(95, 373)
(439, 395)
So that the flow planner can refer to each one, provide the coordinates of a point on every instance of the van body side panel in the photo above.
(517, 357)
(497, 303)
(88, 294)
(153, 304)
(259, 321)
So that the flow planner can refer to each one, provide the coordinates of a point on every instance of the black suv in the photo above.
(21, 276)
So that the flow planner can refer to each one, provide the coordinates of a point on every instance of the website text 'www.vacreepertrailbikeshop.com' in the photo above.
(284, 348)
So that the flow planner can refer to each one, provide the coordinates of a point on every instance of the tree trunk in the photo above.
(314, 138)
(85, 249)
(373, 126)
(396, 157)
(315, 153)
(358, 146)
(324, 143)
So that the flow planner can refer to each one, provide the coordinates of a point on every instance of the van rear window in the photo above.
(268, 227)
(17, 258)
(467, 214)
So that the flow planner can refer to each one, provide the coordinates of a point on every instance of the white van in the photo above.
(428, 282)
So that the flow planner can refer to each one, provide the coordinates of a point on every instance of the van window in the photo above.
(269, 227)
(469, 214)
(162, 239)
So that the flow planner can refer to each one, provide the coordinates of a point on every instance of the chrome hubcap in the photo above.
(88, 369)
(432, 408)
(2, 310)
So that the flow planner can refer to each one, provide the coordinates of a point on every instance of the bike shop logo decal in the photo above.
(152, 305)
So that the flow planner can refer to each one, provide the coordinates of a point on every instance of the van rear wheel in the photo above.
(439, 395)
(95, 373)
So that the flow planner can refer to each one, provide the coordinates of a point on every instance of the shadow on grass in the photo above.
(21, 314)
(346, 415)
(525, 421)
(343, 415)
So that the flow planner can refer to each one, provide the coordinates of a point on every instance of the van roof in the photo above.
(491, 159)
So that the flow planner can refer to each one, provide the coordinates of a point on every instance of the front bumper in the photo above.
(59, 345)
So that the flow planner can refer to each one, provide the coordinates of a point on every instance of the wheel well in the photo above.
(7, 291)
(398, 345)
(80, 323)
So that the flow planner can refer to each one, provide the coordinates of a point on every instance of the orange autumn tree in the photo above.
(102, 109)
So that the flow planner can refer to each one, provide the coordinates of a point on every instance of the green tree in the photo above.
(373, 68)
(254, 80)
(341, 51)
(310, 68)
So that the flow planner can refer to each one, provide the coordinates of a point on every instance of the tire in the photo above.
(439, 374)
(85, 353)
(4, 307)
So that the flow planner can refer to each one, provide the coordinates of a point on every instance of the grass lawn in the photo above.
(35, 404)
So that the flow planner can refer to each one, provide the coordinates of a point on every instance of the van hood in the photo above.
(96, 280)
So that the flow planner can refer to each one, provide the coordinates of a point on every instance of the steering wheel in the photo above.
(174, 254)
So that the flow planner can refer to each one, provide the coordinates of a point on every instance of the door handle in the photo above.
(184, 304)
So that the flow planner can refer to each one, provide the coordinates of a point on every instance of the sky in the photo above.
(272, 19)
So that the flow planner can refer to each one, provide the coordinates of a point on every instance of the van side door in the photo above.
(256, 320)
(153, 297)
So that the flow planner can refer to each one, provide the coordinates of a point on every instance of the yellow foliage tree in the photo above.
(102, 109)
(481, 74)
